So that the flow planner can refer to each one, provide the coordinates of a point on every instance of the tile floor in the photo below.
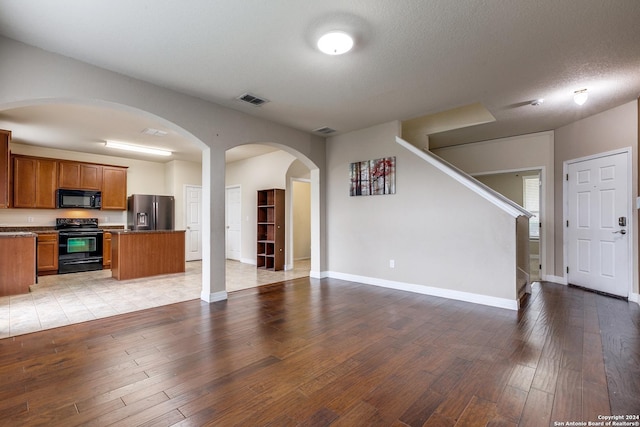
(65, 299)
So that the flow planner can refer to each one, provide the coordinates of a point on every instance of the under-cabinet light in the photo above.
(136, 148)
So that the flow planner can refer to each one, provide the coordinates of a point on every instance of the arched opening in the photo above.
(255, 167)
(38, 128)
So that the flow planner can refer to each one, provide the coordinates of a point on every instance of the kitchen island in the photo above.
(17, 262)
(137, 254)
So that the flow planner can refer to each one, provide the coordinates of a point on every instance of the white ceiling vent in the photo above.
(154, 132)
(324, 130)
(252, 99)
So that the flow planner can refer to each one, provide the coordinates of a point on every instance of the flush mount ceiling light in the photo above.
(580, 96)
(335, 43)
(136, 148)
(537, 102)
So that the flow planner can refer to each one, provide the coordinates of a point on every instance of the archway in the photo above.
(271, 167)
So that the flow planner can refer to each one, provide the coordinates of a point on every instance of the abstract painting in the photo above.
(373, 177)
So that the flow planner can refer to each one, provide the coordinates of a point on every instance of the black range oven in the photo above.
(79, 245)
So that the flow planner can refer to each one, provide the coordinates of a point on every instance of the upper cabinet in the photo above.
(34, 182)
(36, 179)
(5, 137)
(80, 176)
(114, 188)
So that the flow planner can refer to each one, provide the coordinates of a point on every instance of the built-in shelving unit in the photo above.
(270, 236)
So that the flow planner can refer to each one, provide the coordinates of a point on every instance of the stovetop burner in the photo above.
(77, 224)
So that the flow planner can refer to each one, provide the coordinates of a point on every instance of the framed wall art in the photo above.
(373, 177)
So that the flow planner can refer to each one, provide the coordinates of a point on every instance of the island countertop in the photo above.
(129, 231)
(5, 234)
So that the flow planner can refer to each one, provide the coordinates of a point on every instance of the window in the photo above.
(531, 201)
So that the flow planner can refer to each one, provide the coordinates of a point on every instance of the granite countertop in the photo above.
(127, 231)
(28, 229)
(5, 234)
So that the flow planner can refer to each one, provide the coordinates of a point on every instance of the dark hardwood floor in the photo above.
(315, 353)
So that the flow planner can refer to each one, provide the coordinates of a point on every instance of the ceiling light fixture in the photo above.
(580, 96)
(136, 148)
(537, 102)
(335, 43)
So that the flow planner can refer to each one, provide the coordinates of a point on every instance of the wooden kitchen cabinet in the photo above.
(34, 182)
(17, 263)
(36, 179)
(114, 188)
(5, 137)
(106, 250)
(79, 175)
(47, 250)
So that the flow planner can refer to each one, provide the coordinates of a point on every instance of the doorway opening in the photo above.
(524, 187)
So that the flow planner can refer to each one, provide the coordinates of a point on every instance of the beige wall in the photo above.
(301, 220)
(613, 129)
(509, 184)
(438, 232)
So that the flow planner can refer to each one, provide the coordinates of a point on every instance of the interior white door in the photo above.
(233, 222)
(193, 221)
(598, 224)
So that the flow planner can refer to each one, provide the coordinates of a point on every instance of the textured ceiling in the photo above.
(411, 58)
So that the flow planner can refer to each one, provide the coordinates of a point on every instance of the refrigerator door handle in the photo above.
(155, 215)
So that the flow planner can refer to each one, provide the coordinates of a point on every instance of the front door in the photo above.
(598, 224)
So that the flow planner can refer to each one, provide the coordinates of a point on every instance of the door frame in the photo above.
(289, 247)
(226, 220)
(631, 218)
(185, 192)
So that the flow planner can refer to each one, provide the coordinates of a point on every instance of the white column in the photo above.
(213, 235)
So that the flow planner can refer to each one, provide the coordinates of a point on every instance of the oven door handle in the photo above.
(88, 261)
(85, 234)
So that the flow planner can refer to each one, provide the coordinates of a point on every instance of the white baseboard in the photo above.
(634, 298)
(214, 297)
(429, 290)
(248, 261)
(318, 274)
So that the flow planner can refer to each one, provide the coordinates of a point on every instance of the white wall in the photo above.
(438, 232)
(179, 173)
(533, 151)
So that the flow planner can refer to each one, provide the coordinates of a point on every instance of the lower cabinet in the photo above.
(17, 264)
(47, 253)
(106, 250)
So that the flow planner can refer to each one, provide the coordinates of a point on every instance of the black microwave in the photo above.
(74, 199)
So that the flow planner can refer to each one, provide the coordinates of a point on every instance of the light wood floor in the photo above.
(64, 299)
(327, 352)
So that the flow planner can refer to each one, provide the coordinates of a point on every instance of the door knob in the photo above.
(623, 231)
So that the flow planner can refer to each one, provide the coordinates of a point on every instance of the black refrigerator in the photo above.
(150, 212)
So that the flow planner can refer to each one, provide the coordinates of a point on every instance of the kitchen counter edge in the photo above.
(127, 231)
